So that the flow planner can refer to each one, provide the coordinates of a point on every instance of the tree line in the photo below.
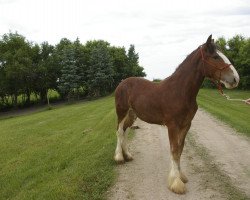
(73, 69)
(237, 49)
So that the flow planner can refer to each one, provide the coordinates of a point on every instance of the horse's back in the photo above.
(130, 93)
(129, 87)
(133, 83)
(124, 89)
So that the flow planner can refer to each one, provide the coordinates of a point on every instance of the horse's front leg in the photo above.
(176, 178)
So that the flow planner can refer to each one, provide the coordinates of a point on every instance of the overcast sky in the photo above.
(163, 31)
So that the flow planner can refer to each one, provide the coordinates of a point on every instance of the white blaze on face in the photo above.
(230, 79)
(226, 60)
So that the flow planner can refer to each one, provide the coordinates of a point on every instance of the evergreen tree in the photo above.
(134, 69)
(69, 81)
(100, 73)
(79, 57)
(120, 64)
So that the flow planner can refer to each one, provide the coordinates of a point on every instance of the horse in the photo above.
(171, 103)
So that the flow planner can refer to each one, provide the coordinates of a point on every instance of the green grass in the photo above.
(236, 114)
(63, 153)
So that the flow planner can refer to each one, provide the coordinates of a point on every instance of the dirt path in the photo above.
(146, 176)
(229, 149)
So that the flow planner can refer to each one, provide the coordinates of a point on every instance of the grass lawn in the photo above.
(237, 114)
(63, 153)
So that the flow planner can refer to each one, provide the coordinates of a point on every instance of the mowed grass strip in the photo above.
(234, 113)
(63, 153)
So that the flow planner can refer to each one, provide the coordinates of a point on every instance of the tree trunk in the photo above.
(15, 101)
(43, 96)
(28, 97)
(48, 99)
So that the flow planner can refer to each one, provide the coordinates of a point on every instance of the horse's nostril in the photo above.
(235, 80)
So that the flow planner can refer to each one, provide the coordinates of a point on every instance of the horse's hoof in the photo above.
(119, 159)
(120, 162)
(177, 186)
(128, 157)
(183, 178)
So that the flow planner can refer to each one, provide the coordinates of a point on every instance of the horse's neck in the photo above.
(188, 77)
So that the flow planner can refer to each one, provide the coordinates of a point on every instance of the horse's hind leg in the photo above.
(129, 120)
(121, 151)
(120, 139)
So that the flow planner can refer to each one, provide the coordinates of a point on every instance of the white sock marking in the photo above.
(174, 172)
(120, 140)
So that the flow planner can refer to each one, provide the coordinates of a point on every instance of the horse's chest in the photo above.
(189, 113)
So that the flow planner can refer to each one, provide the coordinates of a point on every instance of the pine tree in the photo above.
(69, 81)
(100, 73)
(134, 69)
(80, 65)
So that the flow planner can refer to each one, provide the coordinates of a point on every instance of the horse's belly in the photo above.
(151, 118)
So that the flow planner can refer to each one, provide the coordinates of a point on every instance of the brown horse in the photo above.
(171, 103)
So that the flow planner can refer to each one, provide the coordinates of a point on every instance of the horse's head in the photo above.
(217, 66)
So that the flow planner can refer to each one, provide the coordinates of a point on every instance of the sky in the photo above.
(164, 32)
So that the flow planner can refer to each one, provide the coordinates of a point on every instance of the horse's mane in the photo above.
(187, 59)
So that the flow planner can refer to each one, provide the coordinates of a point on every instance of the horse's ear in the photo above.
(209, 44)
(209, 40)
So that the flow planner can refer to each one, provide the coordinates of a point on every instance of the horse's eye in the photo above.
(216, 57)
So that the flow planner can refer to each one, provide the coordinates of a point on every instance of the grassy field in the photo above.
(237, 114)
(63, 153)
(67, 153)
